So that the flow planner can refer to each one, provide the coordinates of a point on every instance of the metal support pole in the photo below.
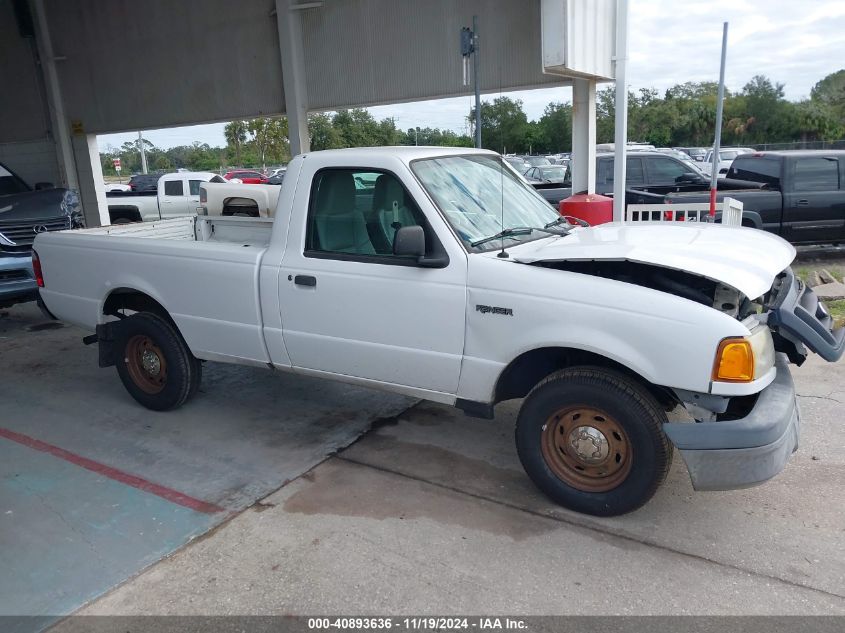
(475, 79)
(143, 153)
(59, 124)
(620, 138)
(583, 136)
(714, 174)
(289, 24)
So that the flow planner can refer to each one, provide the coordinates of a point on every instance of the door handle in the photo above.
(305, 280)
(803, 203)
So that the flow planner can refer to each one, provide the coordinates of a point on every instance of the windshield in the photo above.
(477, 192)
(9, 183)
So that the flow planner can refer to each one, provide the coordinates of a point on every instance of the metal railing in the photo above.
(728, 212)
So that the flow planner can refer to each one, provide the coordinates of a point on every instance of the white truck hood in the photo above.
(743, 258)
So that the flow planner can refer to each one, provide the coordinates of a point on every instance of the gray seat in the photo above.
(340, 228)
(389, 210)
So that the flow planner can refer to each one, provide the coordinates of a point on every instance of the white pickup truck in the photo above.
(441, 274)
(177, 194)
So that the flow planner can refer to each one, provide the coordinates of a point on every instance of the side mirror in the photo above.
(43, 185)
(687, 177)
(409, 242)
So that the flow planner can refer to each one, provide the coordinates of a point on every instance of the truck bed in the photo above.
(205, 270)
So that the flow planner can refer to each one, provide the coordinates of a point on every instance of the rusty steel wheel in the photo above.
(592, 439)
(146, 364)
(586, 448)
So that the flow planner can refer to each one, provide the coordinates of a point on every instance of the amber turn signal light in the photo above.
(734, 361)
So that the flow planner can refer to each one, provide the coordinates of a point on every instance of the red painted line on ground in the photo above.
(113, 473)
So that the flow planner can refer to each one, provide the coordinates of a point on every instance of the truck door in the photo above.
(349, 306)
(813, 208)
(193, 199)
(173, 201)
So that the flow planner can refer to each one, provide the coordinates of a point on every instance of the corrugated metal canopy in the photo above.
(369, 52)
(127, 65)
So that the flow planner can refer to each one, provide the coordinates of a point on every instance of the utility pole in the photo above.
(714, 168)
(469, 47)
(143, 153)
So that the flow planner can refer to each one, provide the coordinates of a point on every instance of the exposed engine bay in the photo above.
(677, 282)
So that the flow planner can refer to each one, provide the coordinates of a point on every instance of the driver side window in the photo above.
(357, 212)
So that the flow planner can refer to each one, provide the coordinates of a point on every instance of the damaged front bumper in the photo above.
(741, 453)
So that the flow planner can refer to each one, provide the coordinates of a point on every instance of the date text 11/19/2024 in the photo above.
(425, 623)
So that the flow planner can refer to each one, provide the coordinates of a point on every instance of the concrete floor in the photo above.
(429, 513)
(93, 487)
(432, 515)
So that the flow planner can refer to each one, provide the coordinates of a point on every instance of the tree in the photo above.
(556, 127)
(322, 132)
(831, 92)
(503, 125)
(269, 138)
(235, 134)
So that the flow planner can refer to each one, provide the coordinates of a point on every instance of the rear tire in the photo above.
(592, 440)
(154, 363)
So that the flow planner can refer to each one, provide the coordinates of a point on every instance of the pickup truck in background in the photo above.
(24, 213)
(650, 175)
(176, 194)
(441, 274)
(229, 198)
(800, 194)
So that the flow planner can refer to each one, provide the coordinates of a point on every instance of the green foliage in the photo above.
(684, 115)
(503, 125)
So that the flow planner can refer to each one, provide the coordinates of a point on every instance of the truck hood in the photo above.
(743, 258)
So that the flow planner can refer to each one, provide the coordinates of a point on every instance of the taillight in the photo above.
(36, 268)
(203, 195)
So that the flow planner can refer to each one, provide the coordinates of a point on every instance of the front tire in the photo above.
(154, 363)
(592, 440)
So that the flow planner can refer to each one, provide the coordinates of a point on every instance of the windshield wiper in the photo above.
(518, 230)
(557, 222)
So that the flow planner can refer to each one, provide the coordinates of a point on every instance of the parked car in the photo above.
(726, 157)
(797, 194)
(451, 280)
(536, 161)
(696, 153)
(229, 198)
(175, 194)
(24, 212)
(248, 177)
(546, 175)
(517, 163)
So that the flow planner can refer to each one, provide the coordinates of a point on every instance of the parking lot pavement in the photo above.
(93, 487)
(432, 515)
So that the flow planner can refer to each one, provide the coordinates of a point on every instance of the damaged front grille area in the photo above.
(676, 282)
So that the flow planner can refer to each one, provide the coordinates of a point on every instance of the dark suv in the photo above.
(25, 212)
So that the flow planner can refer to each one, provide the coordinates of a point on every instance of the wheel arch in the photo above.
(531, 367)
(127, 298)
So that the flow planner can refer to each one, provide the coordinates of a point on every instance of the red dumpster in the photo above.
(589, 207)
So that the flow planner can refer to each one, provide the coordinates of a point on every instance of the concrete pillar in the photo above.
(583, 135)
(288, 18)
(58, 119)
(89, 173)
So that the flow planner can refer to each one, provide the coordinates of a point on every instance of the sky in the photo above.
(670, 42)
